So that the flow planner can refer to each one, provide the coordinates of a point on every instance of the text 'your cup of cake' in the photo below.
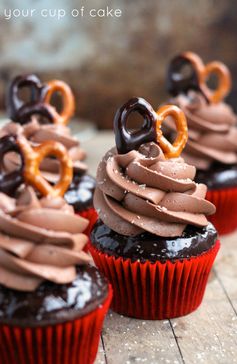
(152, 239)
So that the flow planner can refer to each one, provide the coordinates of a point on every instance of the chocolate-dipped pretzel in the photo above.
(18, 110)
(39, 103)
(197, 77)
(127, 140)
(11, 181)
(31, 158)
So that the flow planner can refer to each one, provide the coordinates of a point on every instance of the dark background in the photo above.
(106, 61)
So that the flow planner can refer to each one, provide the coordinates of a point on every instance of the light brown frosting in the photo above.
(142, 191)
(40, 239)
(38, 133)
(212, 131)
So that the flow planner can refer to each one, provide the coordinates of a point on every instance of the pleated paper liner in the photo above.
(156, 291)
(73, 342)
(91, 215)
(225, 218)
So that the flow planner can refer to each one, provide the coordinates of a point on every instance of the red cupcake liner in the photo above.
(74, 342)
(91, 215)
(225, 218)
(156, 291)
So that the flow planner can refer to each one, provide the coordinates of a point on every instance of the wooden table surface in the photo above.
(209, 335)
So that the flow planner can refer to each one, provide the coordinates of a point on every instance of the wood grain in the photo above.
(129, 341)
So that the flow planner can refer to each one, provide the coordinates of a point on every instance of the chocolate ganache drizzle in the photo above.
(212, 131)
(40, 240)
(143, 191)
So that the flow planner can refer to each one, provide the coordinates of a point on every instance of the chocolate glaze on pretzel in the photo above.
(40, 100)
(176, 82)
(127, 140)
(150, 131)
(17, 108)
(196, 79)
(11, 181)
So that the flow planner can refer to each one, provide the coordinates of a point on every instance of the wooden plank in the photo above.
(204, 339)
(226, 267)
(209, 335)
(129, 341)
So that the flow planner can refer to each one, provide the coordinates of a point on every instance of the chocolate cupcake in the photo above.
(212, 144)
(52, 302)
(152, 240)
(39, 121)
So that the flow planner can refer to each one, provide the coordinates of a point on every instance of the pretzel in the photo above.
(9, 182)
(18, 110)
(33, 157)
(198, 78)
(151, 128)
(172, 150)
(40, 97)
(68, 100)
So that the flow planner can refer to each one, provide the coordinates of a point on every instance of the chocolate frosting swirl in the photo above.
(38, 133)
(142, 191)
(40, 239)
(212, 131)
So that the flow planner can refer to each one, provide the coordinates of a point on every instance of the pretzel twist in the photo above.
(33, 157)
(40, 98)
(67, 97)
(198, 80)
(172, 150)
(151, 131)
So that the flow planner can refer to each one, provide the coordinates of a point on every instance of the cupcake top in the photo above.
(146, 188)
(39, 121)
(212, 131)
(211, 122)
(40, 239)
(38, 133)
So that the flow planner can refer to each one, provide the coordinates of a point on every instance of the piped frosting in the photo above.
(142, 191)
(38, 133)
(212, 131)
(40, 239)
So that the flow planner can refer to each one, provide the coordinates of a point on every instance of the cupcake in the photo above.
(152, 239)
(52, 302)
(212, 144)
(39, 121)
